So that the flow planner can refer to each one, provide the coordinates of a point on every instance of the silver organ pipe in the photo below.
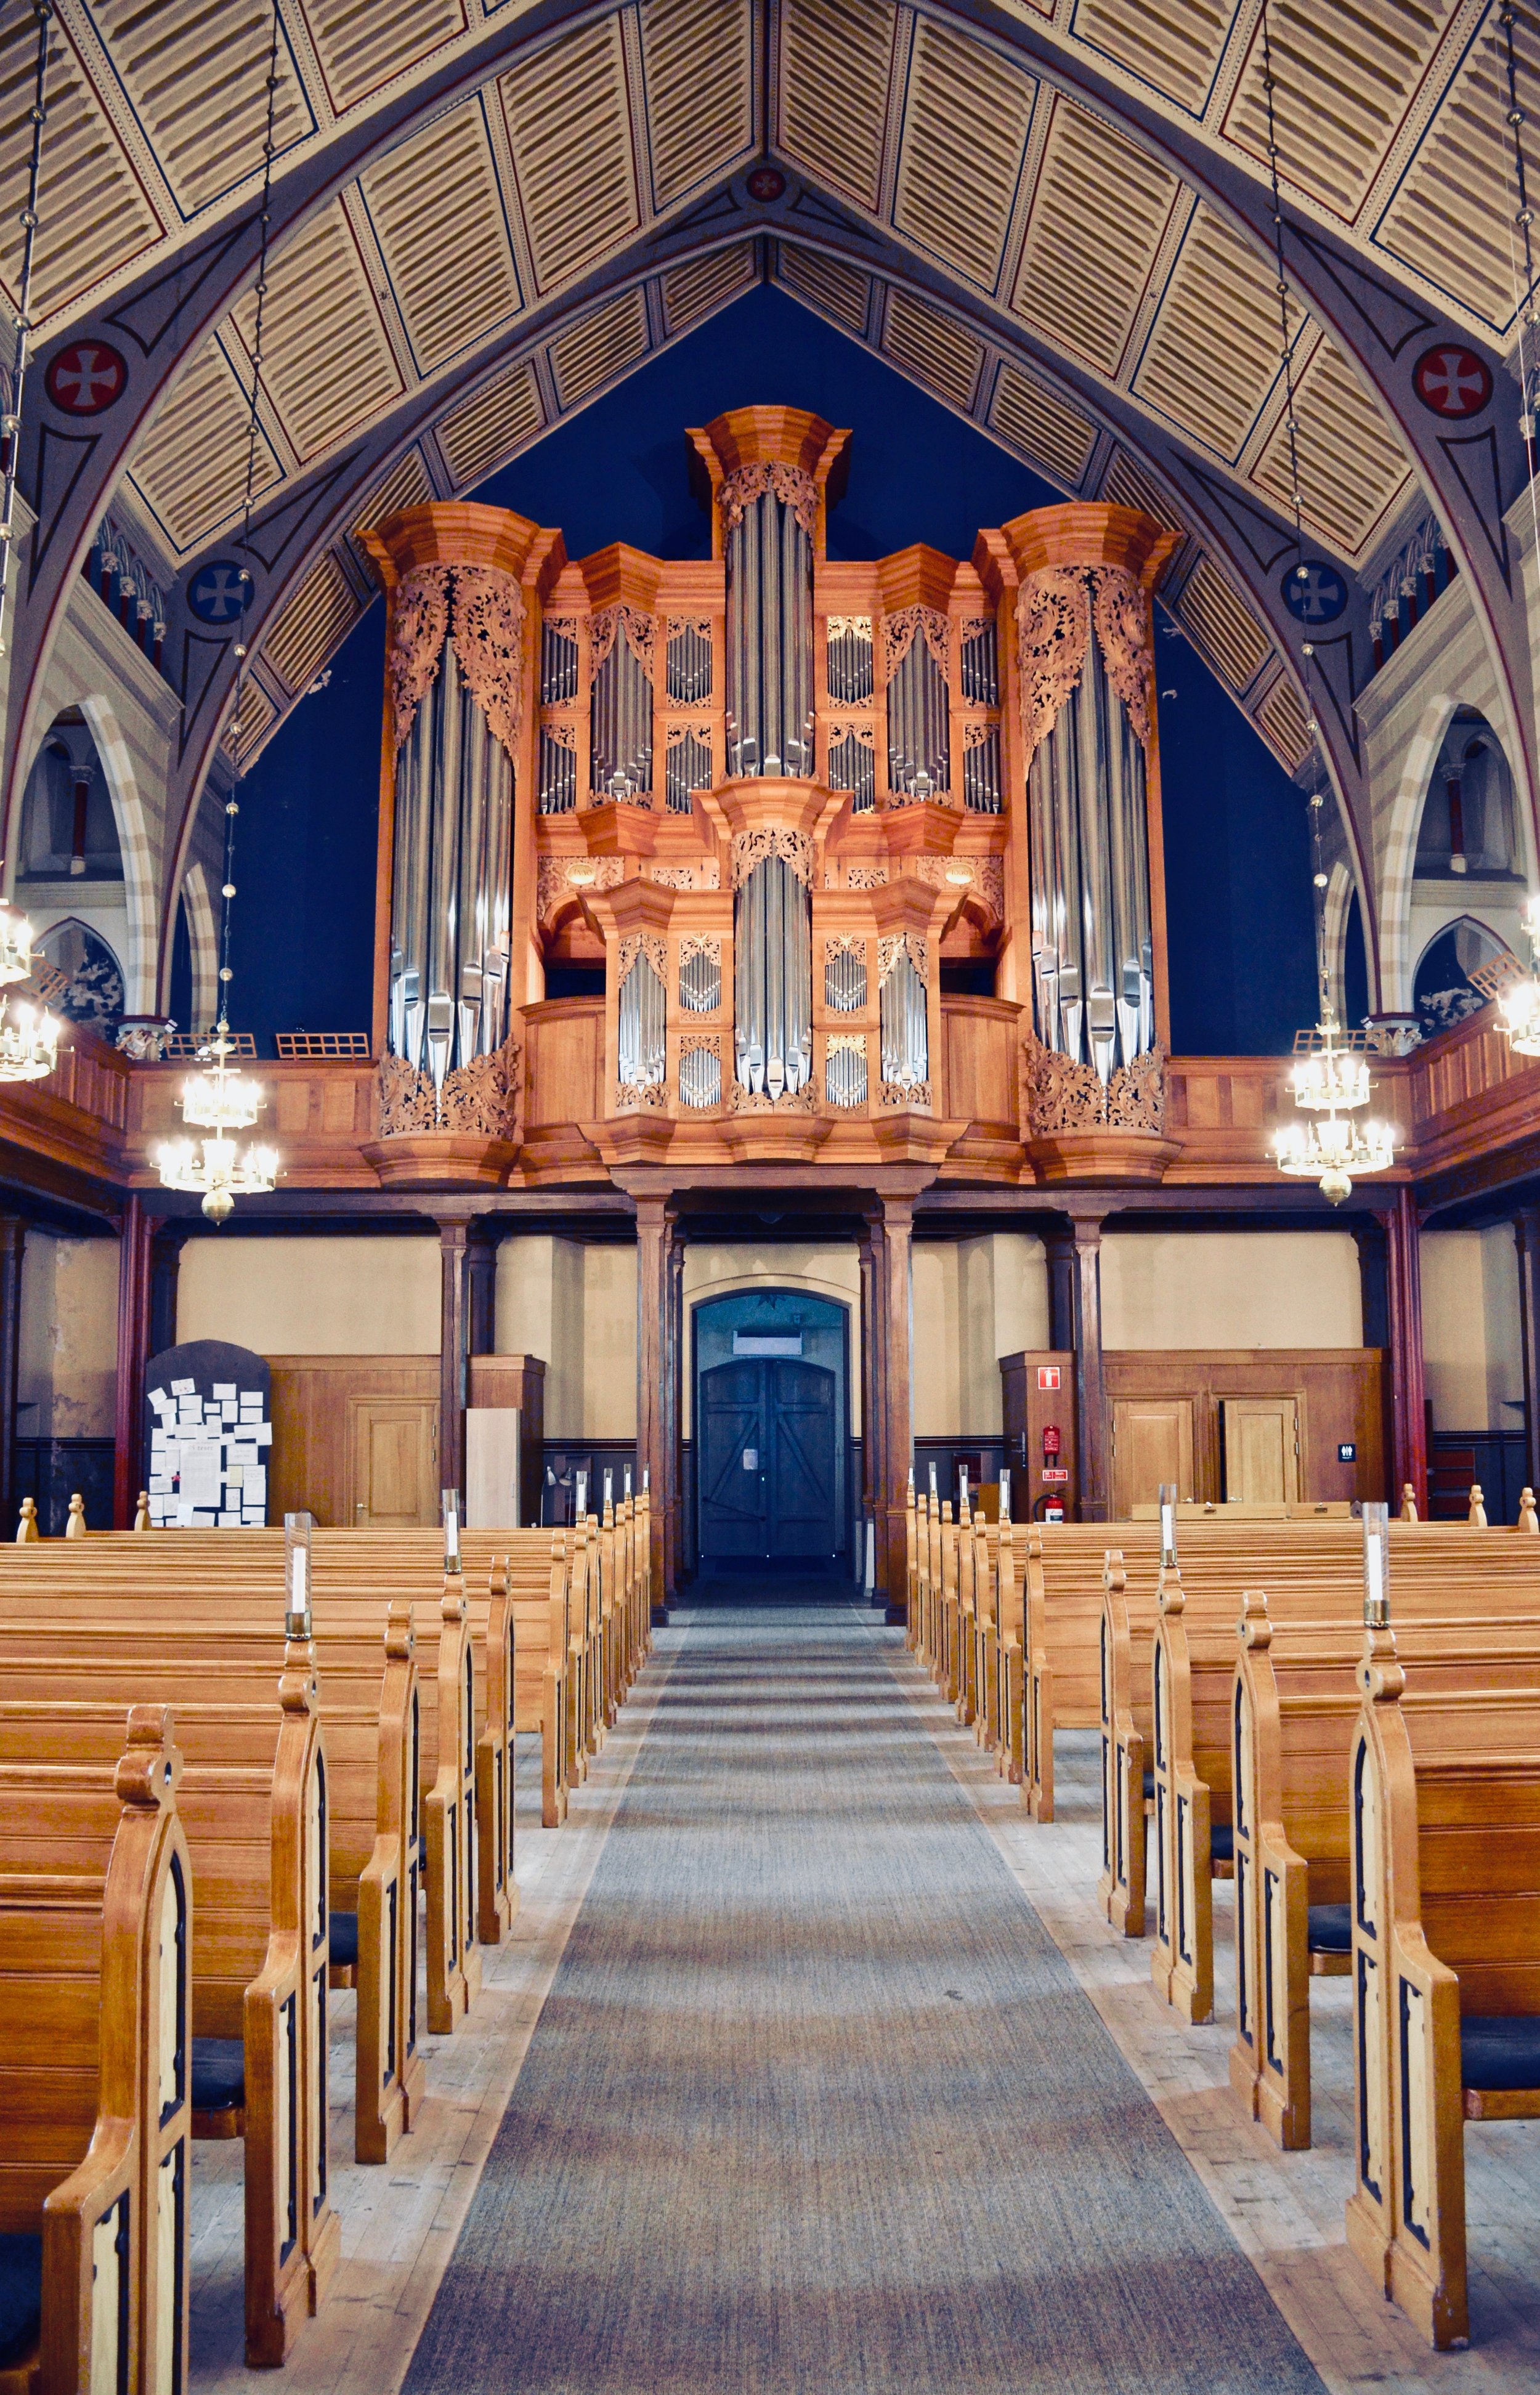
(620, 721)
(452, 880)
(1091, 955)
(642, 1053)
(905, 1029)
(773, 991)
(919, 742)
(769, 698)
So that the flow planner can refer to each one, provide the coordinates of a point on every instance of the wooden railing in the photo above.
(87, 1132)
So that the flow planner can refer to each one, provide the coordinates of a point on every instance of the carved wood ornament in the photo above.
(795, 489)
(482, 611)
(1056, 614)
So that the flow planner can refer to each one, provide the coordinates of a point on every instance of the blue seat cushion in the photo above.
(1222, 1843)
(342, 1940)
(1149, 1787)
(21, 2297)
(219, 2075)
(1500, 2050)
(1331, 1929)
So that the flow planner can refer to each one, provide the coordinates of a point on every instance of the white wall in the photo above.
(975, 1301)
(1231, 1289)
(67, 1365)
(1471, 1358)
(311, 1297)
(575, 1306)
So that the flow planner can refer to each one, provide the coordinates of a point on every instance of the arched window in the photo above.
(1467, 820)
(69, 829)
(92, 975)
(1442, 993)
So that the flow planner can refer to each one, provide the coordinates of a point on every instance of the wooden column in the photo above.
(1526, 1236)
(13, 1240)
(673, 1385)
(136, 1252)
(895, 1247)
(1074, 1321)
(873, 1380)
(1408, 1408)
(481, 1318)
(657, 1383)
(165, 1275)
(454, 1309)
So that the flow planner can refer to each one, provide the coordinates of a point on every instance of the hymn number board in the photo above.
(208, 1437)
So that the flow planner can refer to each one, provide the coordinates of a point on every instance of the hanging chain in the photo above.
(232, 807)
(1290, 424)
(10, 425)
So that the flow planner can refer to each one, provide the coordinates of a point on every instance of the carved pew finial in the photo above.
(1409, 1503)
(1476, 1520)
(1528, 1520)
(141, 1511)
(75, 1527)
(27, 1528)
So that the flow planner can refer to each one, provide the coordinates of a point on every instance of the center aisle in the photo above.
(814, 2102)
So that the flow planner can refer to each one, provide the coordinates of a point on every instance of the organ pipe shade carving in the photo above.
(919, 740)
(905, 1031)
(700, 1073)
(773, 991)
(845, 977)
(642, 1056)
(451, 880)
(853, 767)
(687, 665)
(846, 1070)
(559, 662)
(686, 767)
(700, 977)
(558, 771)
(620, 708)
(981, 769)
(979, 662)
(1093, 973)
(849, 656)
(769, 700)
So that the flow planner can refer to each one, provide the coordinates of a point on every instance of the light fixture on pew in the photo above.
(1376, 1567)
(217, 1101)
(297, 1574)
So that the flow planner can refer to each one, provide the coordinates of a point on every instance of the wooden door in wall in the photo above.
(392, 1460)
(1261, 1438)
(767, 1450)
(1151, 1445)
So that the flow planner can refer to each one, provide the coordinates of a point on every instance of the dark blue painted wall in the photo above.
(1237, 872)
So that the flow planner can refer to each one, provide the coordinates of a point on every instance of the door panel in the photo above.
(733, 1491)
(768, 1461)
(802, 1460)
(1261, 1451)
(393, 1449)
(1151, 1444)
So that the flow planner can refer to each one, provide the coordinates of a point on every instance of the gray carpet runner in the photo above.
(816, 2103)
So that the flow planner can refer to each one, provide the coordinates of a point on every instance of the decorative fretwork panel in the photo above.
(850, 672)
(846, 1070)
(844, 976)
(699, 1071)
(558, 769)
(687, 668)
(686, 767)
(853, 765)
(981, 768)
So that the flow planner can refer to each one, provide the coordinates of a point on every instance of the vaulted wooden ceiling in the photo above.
(443, 251)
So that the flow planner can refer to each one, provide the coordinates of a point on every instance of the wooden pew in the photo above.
(253, 1805)
(370, 1710)
(1127, 1779)
(1314, 1576)
(1063, 1666)
(1445, 1865)
(1296, 1702)
(95, 1889)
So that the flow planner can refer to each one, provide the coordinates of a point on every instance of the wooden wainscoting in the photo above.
(1171, 1407)
(351, 1432)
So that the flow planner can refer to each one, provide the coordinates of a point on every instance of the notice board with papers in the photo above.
(207, 1436)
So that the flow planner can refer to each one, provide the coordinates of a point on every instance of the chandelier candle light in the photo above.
(1518, 1001)
(217, 1101)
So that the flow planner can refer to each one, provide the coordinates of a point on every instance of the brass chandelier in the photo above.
(221, 1101)
(1330, 1080)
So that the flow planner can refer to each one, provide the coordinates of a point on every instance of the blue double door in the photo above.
(767, 1450)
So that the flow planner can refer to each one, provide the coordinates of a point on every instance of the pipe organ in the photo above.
(777, 822)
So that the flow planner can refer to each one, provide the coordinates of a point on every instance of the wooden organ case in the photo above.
(771, 795)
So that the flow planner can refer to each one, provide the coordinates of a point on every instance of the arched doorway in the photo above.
(771, 1409)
